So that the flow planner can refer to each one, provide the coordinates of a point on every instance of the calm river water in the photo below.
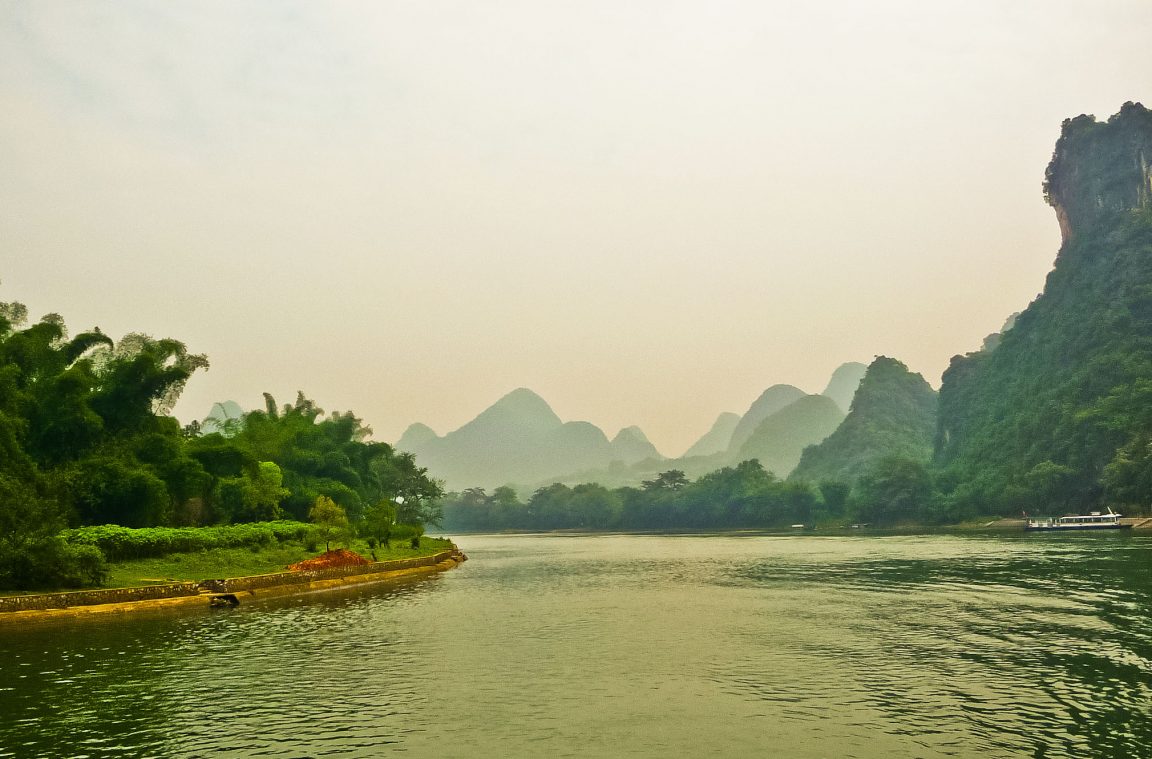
(630, 646)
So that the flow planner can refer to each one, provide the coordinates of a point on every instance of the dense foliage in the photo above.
(893, 414)
(741, 496)
(1056, 416)
(121, 543)
(86, 439)
(279, 460)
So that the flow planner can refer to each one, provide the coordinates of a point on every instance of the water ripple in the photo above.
(917, 646)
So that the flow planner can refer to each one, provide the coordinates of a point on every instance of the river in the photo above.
(957, 645)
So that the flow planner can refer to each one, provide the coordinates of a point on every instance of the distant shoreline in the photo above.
(996, 525)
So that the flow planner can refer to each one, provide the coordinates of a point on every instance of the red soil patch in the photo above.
(338, 557)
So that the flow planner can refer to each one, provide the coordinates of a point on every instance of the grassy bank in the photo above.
(220, 563)
(241, 562)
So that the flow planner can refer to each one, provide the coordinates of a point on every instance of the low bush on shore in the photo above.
(122, 543)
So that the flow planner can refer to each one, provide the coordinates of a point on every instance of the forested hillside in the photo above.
(893, 414)
(1059, 413)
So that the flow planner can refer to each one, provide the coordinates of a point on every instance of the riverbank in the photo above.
(247, 561)
(208, 593)
(821, 528)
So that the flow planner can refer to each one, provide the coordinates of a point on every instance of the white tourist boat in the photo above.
(1095, 520)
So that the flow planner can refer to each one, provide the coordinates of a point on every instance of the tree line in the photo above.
(895, 491)
(87, 438)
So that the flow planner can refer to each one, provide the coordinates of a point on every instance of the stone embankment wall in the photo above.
(256, 582)
(46, 601)
(91, 597)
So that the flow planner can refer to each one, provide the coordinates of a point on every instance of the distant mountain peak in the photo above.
(522, 393)
(631, 445)
(416, 437)
(844, 382)
(770, 401)
(777, 442)
(524, 398)
(518, 439)
(222, 412)
(633, 433)
(717, 438)
(521, 407)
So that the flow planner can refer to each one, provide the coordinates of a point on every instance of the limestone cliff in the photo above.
(1058, 415)
(1099, 169)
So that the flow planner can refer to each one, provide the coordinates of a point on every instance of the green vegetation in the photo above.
(118, 543)
(892, 415)
(1053, 414)
(1057, 414)
(241, 562)
(86, 439)
(741, 496)
(331, 521)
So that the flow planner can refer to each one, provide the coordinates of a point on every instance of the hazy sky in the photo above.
(645, 211)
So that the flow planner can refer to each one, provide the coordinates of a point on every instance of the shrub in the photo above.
(407, 531)
(53, 564)
(120, 543)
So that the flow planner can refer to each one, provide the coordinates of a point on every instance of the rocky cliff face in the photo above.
(1100, 170)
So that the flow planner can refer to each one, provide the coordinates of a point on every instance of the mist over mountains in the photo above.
(520, 441)
(1051, 412)
(716, 439)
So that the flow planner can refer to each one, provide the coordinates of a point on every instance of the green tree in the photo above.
(26, 518)
(331, 521)
(835, 495)
(268, 492)
(506, 509)
(894, 490)
(673, 479)
(1047, 486)
(378, 521)
(594, 506)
